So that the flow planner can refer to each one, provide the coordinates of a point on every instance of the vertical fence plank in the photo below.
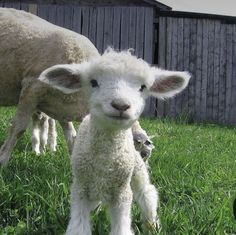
(139, 32)
(222, 82)
(229, 55)
(132, 27)
(92, 24)
(216, 71)
(192, 66)
(148, 35)
(151, 103)
(210, 76)
(76, 26)
(43, 11)
(52, 14)
(174, 57)
(168, 56)
(233, 99)
(32, 8)
(203, 109)
(100, 29)
(108, 29)
(198, 76)
(85, 21)
(68, 18)
(186, 42)
(124, 35)
(25, 7)
(116, 27)
(161, 60)
(60, 15)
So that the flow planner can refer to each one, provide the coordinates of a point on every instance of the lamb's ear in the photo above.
(66, 78)
(168, 83)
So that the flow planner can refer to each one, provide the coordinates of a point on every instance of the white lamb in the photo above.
(104, 159)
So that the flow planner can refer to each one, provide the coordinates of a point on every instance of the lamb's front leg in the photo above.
(79, 223)
(120, 212)
(146, 195)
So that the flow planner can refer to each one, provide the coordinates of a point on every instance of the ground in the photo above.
(193, 167)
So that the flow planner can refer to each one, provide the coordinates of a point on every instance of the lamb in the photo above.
(29, 45)
(105, 165)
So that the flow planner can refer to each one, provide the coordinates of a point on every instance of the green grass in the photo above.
(193, 167)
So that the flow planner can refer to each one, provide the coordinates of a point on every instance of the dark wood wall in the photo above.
(206, 48)
(121, 27)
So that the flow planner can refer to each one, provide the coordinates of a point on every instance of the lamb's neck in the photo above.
(98, 131)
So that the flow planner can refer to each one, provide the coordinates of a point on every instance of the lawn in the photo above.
(193, 166)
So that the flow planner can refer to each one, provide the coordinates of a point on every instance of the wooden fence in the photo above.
(118, 27)
(206, 48)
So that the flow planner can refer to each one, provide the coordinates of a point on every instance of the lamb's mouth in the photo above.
(118, 118)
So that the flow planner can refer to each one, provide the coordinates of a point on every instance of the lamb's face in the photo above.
(117, 84)
(116, 99)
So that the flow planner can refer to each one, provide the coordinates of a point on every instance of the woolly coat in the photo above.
(104, 162)
(29, 45)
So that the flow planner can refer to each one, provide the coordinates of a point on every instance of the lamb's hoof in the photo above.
(150, 227)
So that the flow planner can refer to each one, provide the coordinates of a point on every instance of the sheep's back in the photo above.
(30, 44)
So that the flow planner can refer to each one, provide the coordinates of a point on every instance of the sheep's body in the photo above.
(28, 45)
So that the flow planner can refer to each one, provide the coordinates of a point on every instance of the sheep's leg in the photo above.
(69, 133)
(35, 139)
(25, 109)
(52, 135)
(79, 223)
(43, 133)
(146, 196)
(120, 212)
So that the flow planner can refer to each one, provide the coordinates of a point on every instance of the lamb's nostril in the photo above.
(121, 106)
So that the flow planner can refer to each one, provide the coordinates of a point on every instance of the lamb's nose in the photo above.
(120, 105)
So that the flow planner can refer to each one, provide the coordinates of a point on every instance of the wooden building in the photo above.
(203, 44)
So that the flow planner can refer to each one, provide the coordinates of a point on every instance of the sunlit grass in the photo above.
(193, 167)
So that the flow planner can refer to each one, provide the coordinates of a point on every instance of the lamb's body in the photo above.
(106, 167)
(103, 168)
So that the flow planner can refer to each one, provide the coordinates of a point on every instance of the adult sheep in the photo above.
(106, 167)
(29, 45)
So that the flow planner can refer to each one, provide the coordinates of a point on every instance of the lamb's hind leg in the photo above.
(146, 195)
(25, 109)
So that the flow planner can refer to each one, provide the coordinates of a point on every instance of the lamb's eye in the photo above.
(94, 83)
(142, 88)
